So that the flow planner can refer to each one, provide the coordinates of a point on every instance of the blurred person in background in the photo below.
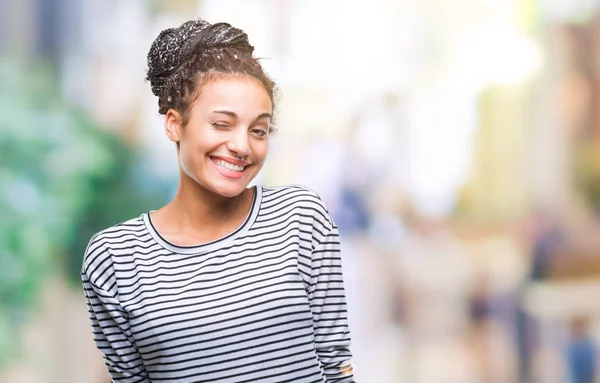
(226, 282)
(581, 352)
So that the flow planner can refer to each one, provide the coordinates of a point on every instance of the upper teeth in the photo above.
(227, 165)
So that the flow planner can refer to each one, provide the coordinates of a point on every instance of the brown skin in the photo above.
(229, 118)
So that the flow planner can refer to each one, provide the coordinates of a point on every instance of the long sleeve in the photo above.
(328, 305)
(110, 324)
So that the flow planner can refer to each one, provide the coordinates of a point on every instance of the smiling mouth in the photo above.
(227, 166)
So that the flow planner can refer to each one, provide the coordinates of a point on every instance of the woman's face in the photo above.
(229, 119)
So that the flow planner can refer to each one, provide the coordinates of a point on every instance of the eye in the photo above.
(260, 133)
(219, 125)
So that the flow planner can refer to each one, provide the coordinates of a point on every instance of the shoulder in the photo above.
(301, 199)
(97, 253)
(300, 195)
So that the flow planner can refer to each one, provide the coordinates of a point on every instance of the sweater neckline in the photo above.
(217, 243)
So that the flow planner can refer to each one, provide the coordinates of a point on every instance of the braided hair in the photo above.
(181, 60)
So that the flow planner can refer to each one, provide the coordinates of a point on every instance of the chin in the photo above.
(229, 191)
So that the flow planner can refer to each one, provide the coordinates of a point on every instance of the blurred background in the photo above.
(456, 144)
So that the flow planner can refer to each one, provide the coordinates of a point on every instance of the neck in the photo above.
(196, 207)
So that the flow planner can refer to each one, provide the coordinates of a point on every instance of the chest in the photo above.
(213, 299)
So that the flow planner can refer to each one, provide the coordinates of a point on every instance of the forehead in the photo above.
(235, 93)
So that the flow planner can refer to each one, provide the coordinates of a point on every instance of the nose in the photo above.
(239, 144)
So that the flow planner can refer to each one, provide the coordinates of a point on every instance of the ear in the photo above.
(173, 125)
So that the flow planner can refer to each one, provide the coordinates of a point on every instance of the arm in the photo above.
(328, 305)
(111, 329)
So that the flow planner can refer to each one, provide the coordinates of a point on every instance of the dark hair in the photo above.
(182, 60)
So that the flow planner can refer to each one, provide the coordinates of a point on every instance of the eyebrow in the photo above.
(233, 114)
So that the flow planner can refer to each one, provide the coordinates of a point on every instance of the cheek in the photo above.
(261, 149)
(196, 144)
(190, 156)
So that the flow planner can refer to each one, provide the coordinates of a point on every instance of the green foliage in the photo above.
(62, 179)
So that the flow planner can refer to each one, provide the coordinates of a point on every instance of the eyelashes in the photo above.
(219, 125)
(259, 133)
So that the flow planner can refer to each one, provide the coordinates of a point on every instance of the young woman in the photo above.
(226, 283)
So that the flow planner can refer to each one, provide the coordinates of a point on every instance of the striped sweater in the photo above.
(266, 303)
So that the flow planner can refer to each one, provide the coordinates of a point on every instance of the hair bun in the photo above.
(220, 35)
(174, 46)
(165, 53)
